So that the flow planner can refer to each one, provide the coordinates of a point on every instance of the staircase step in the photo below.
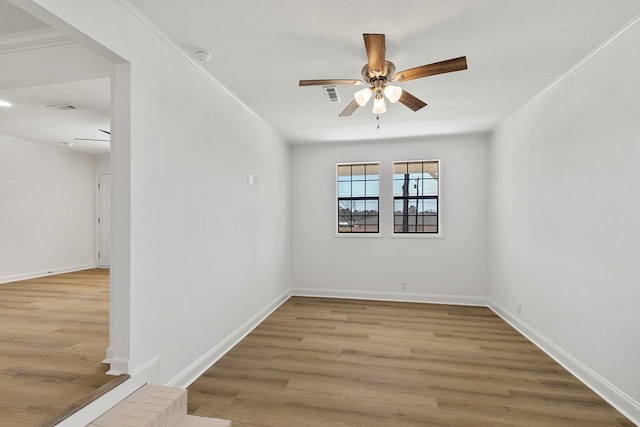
(149, 406)
(155, 406)
(193, 421)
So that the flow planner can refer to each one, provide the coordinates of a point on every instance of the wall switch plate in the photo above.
(519, 308)
(251, 179)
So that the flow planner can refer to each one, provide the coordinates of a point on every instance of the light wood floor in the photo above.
(54, 332)
(330, 362)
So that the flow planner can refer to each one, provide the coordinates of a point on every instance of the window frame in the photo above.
(437, 198)
(364, 198)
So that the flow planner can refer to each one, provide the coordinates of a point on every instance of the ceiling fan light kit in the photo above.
(379, 105)
(377, 72)
(363, 96)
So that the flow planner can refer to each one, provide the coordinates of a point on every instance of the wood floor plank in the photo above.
(333, 362)
(54, 332)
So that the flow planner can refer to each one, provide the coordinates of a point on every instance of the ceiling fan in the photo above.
(96, 139)
(378, 73)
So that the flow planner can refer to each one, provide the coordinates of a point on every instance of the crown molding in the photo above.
(36, 39)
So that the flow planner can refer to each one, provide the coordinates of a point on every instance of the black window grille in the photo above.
(358, 198)
(416, 192)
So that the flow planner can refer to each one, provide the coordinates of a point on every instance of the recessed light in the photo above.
(4, 103)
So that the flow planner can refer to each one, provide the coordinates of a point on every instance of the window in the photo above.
(358, 198)
(416, 191)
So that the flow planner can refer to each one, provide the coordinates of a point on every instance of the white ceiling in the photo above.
(42, 71)
(514, 49)
(261, 48)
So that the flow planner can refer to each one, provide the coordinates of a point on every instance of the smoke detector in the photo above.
(202, 55)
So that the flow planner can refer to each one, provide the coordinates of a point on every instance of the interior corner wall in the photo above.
(451, 269)
(208, 251)
(563, 220)
(47, 211)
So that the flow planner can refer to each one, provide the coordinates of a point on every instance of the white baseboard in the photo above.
(390, 296)
(615, 397)
(189, 375)
(44, 273)
(145, 373)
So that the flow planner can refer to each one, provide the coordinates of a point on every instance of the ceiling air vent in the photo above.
(332, 93)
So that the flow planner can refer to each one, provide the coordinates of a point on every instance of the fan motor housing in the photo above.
(387, 73)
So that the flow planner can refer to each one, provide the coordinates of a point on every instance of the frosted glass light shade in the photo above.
(379, 106)
(393, 93)
(363, 96)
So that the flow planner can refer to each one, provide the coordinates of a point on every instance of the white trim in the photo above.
(117, 365)
(44, 273)
(200, 366)
(614, 396)
(390, 296)
(357, 234)
(35, 39)
(417, 235)
(569, 72)
(144, 374)
(108, 356)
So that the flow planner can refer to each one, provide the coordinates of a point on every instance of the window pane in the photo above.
(429, 187)
(399, 168)
(372, 188)
(430, 169)
(344, 172)
(371, 225)
(415, 168)
(357, 172)
(372, 170)
(357, 188)
(397, 186)
(371, 206)
(429, 206)
(344, 189)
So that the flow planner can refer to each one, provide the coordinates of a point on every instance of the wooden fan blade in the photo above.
(330, 82)
(455, 64)
(350, 109)
(92, 139)
(375, 46)
(411, 101)
(105, 131)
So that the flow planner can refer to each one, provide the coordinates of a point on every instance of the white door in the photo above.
(104, 219)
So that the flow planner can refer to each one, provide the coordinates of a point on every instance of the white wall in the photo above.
(102, 164)
(448, 269)
(563, 220)
(208, 253)
(47, 215)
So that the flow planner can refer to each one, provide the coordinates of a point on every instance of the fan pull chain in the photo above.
(378, 121)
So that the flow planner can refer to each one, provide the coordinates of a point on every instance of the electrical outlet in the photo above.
(519, 308)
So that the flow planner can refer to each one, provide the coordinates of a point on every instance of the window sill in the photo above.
(416, 236)
(350, 235)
